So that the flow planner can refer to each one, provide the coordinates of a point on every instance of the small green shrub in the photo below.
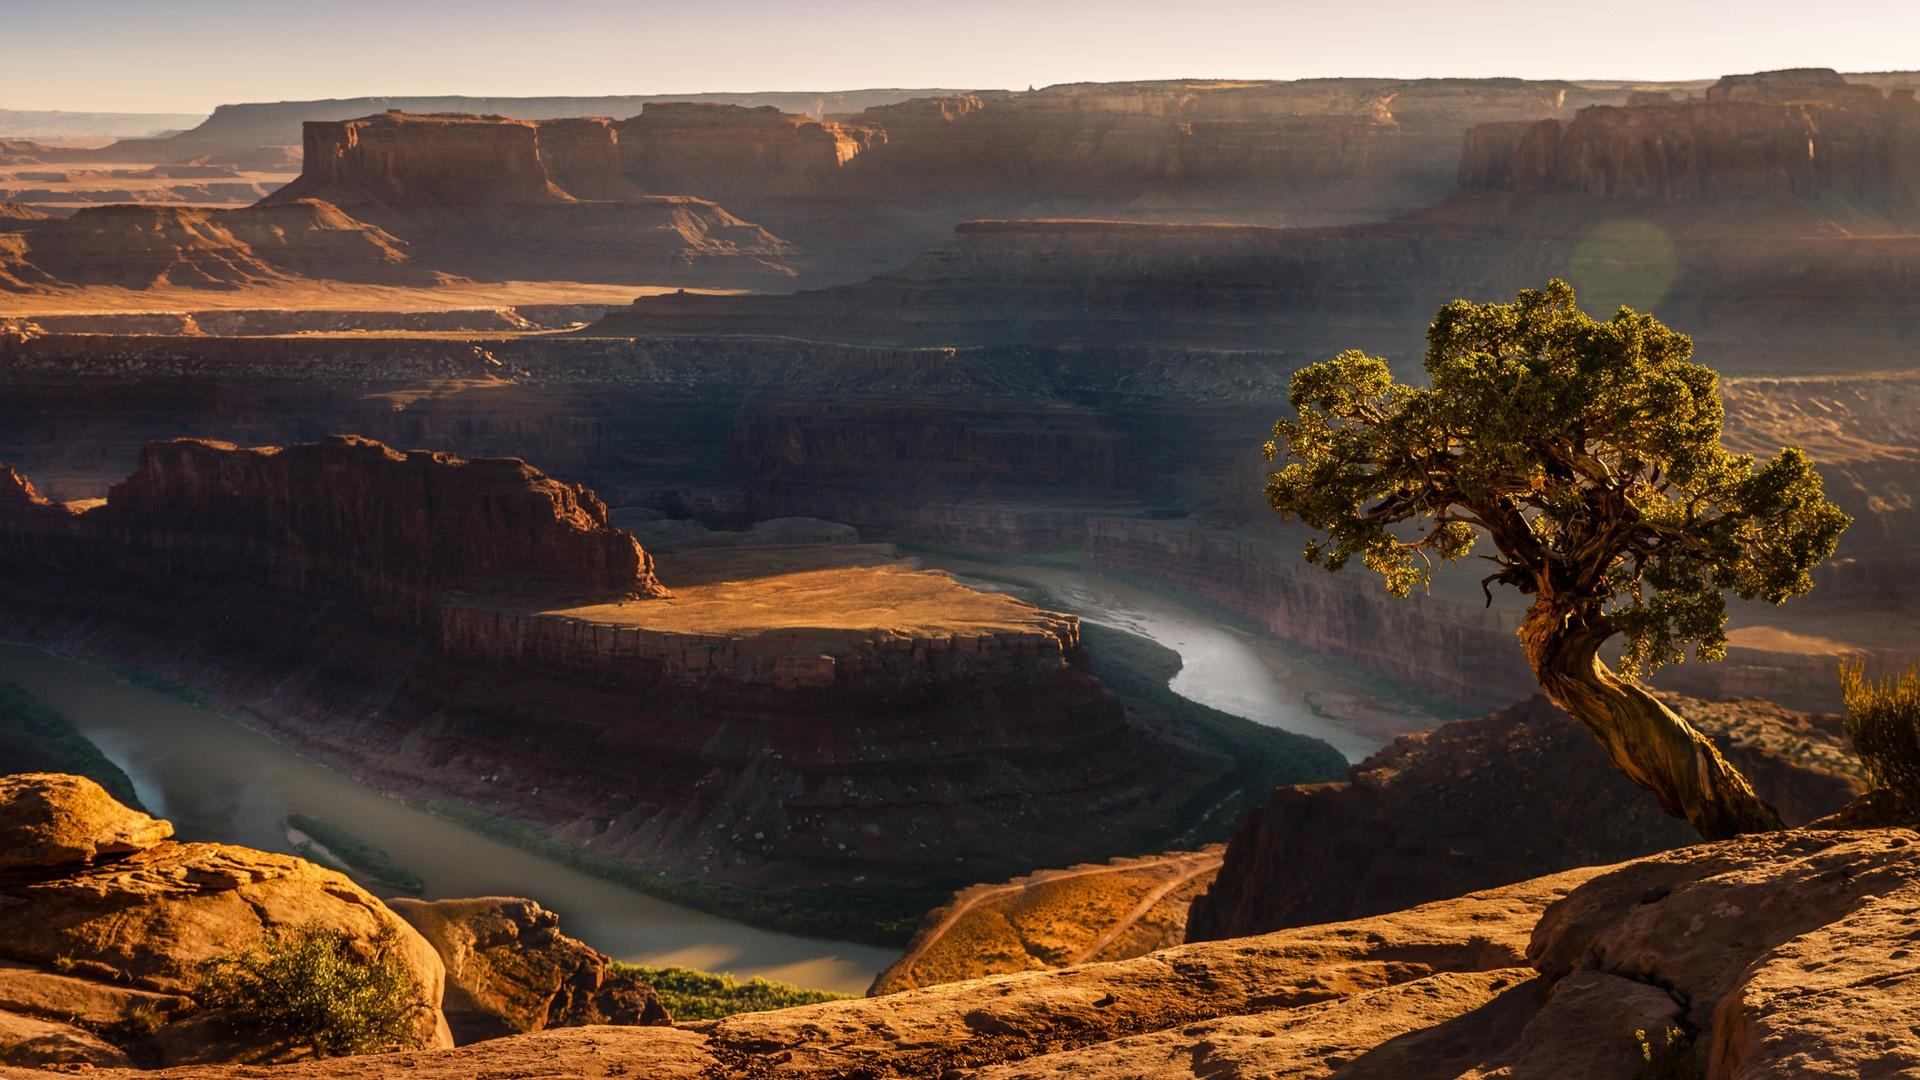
(1883, 720)
(314, 988)
(700, 995)
(1668, 1056)
(35, 738)
(141, 1021)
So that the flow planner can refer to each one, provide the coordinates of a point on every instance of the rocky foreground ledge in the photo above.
(1787, 954)
(106, 923)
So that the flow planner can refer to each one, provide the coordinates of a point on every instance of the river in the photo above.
(219, 780)
(1236, 671)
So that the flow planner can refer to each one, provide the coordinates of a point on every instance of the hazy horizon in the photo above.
(121, 56)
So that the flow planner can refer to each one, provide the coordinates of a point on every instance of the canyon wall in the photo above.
(473, 631)
(1808, 135)
(1144, 460)
(1756, 297)
(582, 155)
(487, 196)
(402, 159)
(401, 532)
(728, 153)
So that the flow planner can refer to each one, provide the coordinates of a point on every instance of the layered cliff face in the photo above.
(1476, 803)
(488, 196)
(727, 153)
(260, 132)
(1807, 135)
(582, 155)
(819, 718)
(400, 159)
(1312, 151)
(349, 513)
(1146, 460)
(143, 247)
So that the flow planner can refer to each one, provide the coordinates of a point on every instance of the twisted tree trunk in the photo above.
(1652, 744)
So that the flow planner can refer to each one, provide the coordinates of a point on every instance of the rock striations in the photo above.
(401, 532)
(490, 196)
(815, 717)
(1779, 135)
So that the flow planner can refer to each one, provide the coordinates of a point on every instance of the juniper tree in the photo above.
(1587, 454)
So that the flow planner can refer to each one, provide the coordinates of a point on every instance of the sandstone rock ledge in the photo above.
(1780, 955)
(511, 971)
(104, 923)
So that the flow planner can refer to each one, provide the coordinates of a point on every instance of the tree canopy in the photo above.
(1587, 452)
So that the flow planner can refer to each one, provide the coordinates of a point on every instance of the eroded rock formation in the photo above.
(511, 971)
(402, 532)
(108, 923)
(1475, 803)
(493, 196)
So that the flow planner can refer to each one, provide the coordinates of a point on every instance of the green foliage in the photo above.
(1667, 1056)
(34, 738)
(872, 916)
(140, 1021)
(359, 854)
(1587, 452)
(148, 681)
(1883, 720)
(700, 995)
(316, 989)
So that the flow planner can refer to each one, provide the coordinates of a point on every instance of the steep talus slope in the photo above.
(108, 921)
(1476, 803)
(1769, 954)
(145, 247)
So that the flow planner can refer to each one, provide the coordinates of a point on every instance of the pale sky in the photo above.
(189, 55)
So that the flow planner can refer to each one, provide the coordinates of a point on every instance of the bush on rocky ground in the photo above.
(1883, 720)
(313, 988)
